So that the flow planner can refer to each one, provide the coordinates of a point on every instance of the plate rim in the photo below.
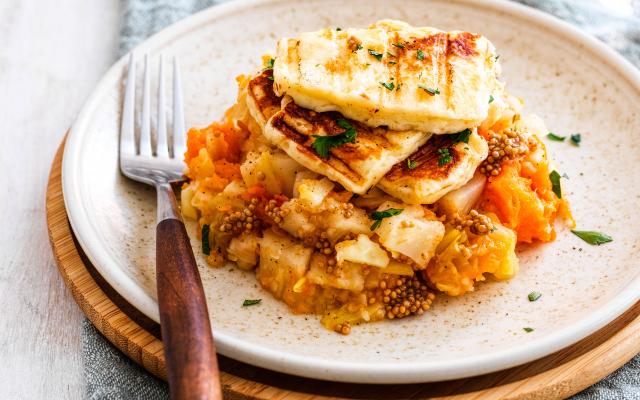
(354, 372)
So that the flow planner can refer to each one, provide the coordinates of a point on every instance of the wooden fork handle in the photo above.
(189, 350)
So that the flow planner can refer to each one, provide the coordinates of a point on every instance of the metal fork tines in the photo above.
(151, 156)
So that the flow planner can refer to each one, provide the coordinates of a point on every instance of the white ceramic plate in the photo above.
(574, 82)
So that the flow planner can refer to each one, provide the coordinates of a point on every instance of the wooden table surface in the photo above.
(52, 53)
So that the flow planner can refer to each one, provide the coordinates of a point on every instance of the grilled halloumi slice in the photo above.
(357, 166)
(438, 167)
(391, 74)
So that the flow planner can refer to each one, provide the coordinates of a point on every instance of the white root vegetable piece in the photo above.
(410, 233)
(337, 225)
(363, 251)
(286, 170)
(186, 195)
(283, 261)
(258, 169)
(314, 191)
(244, 249)
(300, 177)
(462, 200)
(296, 220)
(349, 276)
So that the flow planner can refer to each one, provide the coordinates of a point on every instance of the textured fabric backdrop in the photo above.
(111, 375)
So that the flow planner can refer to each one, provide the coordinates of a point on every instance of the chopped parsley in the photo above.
(269, 64)
(388, 86)
(554, 137)
(270, 77)
(378, 216)
(206, 247)
(323, 144)
(411, 164)
(575, 139)
(554, 176)
(338, 29)
(533, 296)
(527, 329)
(462, 136)
(392, 63)
(490, 98)
(592, 237)
(420, 55)
(444, 157)
(374, 53)
(358, 47)
(398, 45)
(431, 91)
(496, 57)
(248, 302)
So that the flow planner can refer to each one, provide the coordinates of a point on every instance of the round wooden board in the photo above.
(556, 376)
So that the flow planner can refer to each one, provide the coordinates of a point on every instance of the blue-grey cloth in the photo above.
(111, 375)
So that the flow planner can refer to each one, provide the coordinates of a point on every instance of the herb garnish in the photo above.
(431, 91)
(392, 63)
(206, 247)
(575, 139)
(270, 77)
(248, 302)
(374, 53)
(554, 176)
(323, 144)
(420, 55)
(378, 216)
(389, 85)
(555, 137)
(527, 329)
(338, 29)
(592, 237)
(411, 164)
(269, 64)
(533, 296)
(444, 157)
(496, 57)
(462, 136)
(398, 45)
(490, 98)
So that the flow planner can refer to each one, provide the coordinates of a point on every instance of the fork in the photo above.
(153, 159)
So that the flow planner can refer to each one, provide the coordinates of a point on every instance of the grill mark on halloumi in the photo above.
(430, 179)
(260, 92)
(356, 166)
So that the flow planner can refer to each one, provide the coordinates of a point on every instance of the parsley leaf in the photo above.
(575, 139)
(206, 247)
(338, 29)
(378, 216)
(554, 176)
(270, 77)
(398, 45)
(269, 64)
(249, 302)
(420, 55)
(389, 85)
(411, 164)
(533, 296)
(592, 237)
(528, 330)
(490, 98)
(374, 53)
(554, 137)
(462, 136)
(431, 91)
(323, 144)
(444, 157)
